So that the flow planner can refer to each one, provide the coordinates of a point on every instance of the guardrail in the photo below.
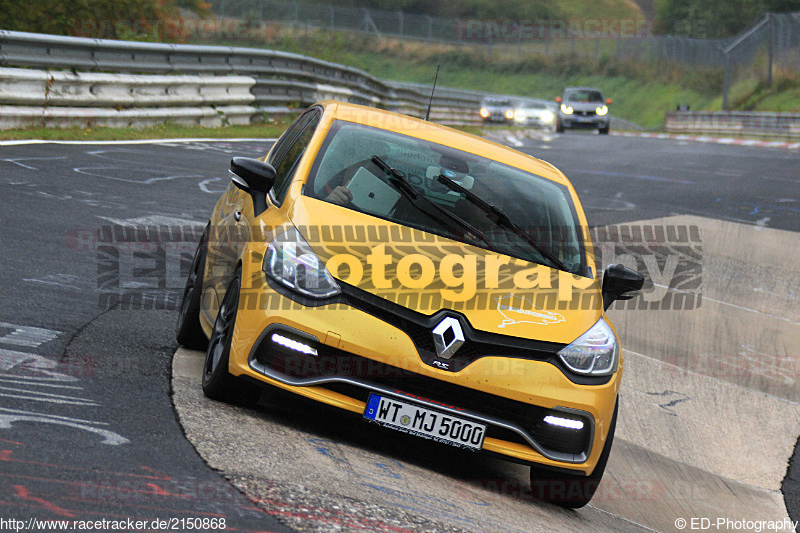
(279, 80)
(731, 122)
(66, 88)
(12, 116)
(280, 77)
(64, 98)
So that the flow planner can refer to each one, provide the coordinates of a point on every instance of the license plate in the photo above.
(423, 422)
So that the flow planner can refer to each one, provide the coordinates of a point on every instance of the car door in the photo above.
(235, 209)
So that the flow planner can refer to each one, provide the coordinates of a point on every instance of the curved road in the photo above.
(87, 426)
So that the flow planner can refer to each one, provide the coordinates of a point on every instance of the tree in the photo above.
(714, 19)
(115, 19)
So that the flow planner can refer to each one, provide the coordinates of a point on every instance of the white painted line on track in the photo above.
(783, 145)
(136, 141)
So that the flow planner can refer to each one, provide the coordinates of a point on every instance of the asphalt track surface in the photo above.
(87, 426)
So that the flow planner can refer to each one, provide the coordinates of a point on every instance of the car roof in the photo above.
(497, 100)
(583, 89)
(436, 133)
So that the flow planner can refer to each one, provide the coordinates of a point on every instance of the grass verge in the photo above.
(165, 131)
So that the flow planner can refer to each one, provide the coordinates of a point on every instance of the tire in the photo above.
(218, 383)
(604, 131)
(188, 331)
(572, 491)
(559, 127)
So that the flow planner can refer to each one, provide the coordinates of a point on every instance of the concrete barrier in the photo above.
(737, 123)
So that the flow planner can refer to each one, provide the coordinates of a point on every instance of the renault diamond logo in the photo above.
(448, 337)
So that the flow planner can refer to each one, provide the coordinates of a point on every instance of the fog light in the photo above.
(563, 422)
(292, 344)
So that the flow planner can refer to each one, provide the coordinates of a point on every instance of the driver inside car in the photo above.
(451, 167)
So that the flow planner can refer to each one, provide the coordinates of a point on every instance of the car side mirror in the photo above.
(620, 283)
(558, 99)
(254, 177)
(608, 101)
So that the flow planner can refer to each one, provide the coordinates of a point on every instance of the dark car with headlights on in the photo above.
(497, 110)
(583, 108)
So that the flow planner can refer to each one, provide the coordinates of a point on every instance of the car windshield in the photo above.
(347, 172)
(584, 95)
(497, 102)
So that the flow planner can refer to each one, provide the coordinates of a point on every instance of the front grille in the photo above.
(334, 363)
(418, 327)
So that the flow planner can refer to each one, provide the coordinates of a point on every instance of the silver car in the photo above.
(584, 108)
(542, 115)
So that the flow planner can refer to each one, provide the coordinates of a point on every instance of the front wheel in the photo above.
(218, 383)
(572, 491)
(604, 131)
(559, 127)
(188, 331)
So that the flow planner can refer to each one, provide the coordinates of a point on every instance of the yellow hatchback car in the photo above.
(426, 279)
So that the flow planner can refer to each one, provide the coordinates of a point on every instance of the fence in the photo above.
(773, 41)
(587, 37)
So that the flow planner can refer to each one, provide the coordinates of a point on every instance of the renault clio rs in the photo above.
(425, 279)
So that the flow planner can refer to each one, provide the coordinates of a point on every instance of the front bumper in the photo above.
(497, 118)
(534, 121)
(359, 353)
(575, 121)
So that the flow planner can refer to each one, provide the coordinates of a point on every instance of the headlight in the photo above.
(547, 117)
(509, 114)
(519, 115)
(594, 353)
(602, 110)
(567, 110)
(291, 262)
(485, 112)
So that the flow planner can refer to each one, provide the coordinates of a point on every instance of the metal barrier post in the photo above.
(770, 48)
(726, 81)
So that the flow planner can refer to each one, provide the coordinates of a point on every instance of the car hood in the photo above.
(556, 307)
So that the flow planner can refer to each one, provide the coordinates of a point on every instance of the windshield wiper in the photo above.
(418, 200)
(502, 219)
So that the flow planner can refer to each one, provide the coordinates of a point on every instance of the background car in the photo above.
(497, 110)
(536, 114)
(583, 108)
(339, 269)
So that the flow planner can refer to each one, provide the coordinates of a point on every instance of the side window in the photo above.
(288, 154)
